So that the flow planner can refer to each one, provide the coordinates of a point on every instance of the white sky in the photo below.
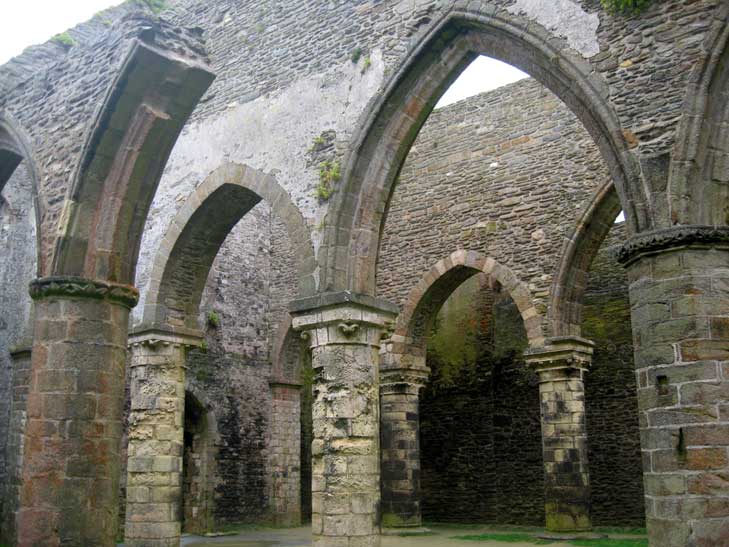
(28, 22)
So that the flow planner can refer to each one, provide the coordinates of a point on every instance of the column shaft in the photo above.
(680, 317)
(344, 339)
(564, 450)
(18, 395)
(156, 441)
(70, 470)
(560, 366)
(400, 444)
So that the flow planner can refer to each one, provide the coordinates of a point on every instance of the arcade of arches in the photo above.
(269, 283)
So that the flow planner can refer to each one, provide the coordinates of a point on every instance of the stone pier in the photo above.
(21, 359)
(70, 470)
(679, 295)
(285, 458)
(344, 331)
(400, 443)
(156, 437)
(561, 364)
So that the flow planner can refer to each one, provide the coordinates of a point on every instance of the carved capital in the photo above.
(676, 237)
(563, 353)
(395, 379)
(158, 339)
(342, 318)
(79, 287)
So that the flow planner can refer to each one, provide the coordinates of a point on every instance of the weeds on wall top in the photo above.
(64, 39)
(628, 7)
(155, 6)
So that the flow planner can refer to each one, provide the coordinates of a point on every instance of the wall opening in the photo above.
(480, 430)
(197, 469)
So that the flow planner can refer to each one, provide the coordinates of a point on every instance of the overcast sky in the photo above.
(28, 22)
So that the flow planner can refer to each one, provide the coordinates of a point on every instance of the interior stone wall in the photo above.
(506, 173)
(18, 264)
(616, 474)
(479, 413)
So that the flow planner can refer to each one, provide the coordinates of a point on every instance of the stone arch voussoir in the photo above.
(192, 241)
(16, 149)
(580, 248)
(390, 126)
(426, 297)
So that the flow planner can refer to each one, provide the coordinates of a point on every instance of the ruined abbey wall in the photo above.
(360, 77)
(507, 174)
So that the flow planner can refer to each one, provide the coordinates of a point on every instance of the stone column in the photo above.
(156, 437)
(70, 471)
(561, 365)
(344, 332)
(679, 295)
(285, 450)
(400, 443)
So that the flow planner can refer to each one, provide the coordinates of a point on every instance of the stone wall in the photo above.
(610, 392)
(477, 178)
(17, 268)
(506, 173)
(480, 443)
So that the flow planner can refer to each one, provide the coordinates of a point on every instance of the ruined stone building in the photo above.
(250, 275)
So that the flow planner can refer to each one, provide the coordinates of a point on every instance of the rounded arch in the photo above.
(192, 241)
(15, 149)
(581, 247)
(394, 121)
(699, 170)
(426, 298)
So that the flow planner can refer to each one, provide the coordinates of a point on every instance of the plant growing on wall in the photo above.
(624, 6)
(155, 6)
(64, 39)
(329, 174)
(213, 319)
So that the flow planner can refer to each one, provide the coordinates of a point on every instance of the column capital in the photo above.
(81, 287)
(394, 378)
(561, 353)
(343, 318)
(674, 238)
(157, 337)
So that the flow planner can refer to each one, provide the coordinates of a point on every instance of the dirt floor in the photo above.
(438, 536)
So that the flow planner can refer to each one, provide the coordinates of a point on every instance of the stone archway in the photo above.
(20, 236)
(437, 284)
(191, 242)
(392, 125)
(178, 278)
(405, 372)
(570, 281)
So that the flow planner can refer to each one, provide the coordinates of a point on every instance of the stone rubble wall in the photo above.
(507, 173)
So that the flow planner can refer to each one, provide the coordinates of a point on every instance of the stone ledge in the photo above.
(324, 300)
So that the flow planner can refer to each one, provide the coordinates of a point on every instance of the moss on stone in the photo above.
(64, 39)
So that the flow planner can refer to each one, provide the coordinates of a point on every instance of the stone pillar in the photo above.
(561, 365)
(344, 332)
(156, 437)
(285, 450)
(400, 442)
(20, 358)
(679, 295)
(70, 471)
